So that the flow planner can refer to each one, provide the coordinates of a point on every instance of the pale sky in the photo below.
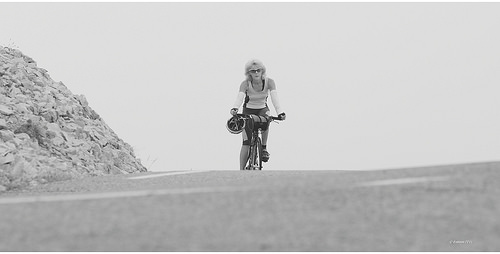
(364, 85)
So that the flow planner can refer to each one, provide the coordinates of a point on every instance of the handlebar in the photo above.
(272, 118)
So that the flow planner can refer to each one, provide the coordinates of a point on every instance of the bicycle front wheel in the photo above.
(258, 154)
(255, 155)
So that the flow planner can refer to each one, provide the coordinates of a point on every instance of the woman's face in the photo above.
(255, 72)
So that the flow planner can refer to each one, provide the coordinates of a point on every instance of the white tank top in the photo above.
(256, 99)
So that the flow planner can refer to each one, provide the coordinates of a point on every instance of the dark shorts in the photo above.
(248, 130)
(259, 112)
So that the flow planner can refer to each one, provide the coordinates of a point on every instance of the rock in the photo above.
(3, 124)
(23, 108)
(48, 134)
(23, 136)
(6, 135)
(4, 149)
(6, 110)
(8, 158)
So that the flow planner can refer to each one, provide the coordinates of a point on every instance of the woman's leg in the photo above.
(245, 149)
(244, 156)
(264, 136)
(265, 153)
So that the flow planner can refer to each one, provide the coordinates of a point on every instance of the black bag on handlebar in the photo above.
(255, 122)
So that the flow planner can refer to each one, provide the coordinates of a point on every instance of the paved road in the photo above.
(448, 208)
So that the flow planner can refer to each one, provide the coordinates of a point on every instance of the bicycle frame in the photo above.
(255, 151)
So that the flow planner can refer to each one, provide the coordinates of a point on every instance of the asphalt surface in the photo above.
(446, 208)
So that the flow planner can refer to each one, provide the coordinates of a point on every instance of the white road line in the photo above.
(123, 194)
(167, 174)
(399, 181)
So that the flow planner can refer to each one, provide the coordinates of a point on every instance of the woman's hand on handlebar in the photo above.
(233, 111)
(282, 116)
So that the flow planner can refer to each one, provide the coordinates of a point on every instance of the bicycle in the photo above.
(257, 124)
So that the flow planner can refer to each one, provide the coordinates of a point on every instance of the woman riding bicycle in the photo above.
(254, 91)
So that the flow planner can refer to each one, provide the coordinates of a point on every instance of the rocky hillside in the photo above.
(49, 134)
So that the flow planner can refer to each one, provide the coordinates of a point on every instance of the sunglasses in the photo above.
(255, 71)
